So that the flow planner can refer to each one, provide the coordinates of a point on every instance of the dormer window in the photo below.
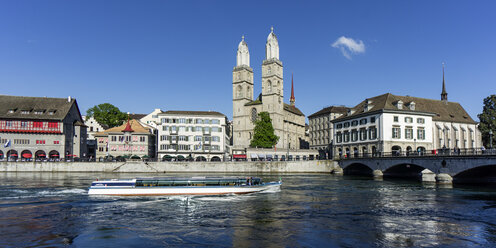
(399, 104)
(25, 112)
(411, 105)
(350, 111)
(11, 111)
(39, 111)
(51, 112)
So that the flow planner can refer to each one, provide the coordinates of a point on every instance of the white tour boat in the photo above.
(181, 186)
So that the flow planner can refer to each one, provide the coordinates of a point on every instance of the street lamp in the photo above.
(415, 145)
(491, 139)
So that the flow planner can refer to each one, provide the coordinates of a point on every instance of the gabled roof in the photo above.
(44, 108)
(441, 110)
(137, 116)
(135, 125)
(330, 109)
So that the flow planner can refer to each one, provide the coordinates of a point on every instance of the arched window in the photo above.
(269, 86)
(254, 114)
(248, 92)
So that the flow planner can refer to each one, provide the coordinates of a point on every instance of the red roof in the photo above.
(128, 127)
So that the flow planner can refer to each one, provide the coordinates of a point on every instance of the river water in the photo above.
(316, 210)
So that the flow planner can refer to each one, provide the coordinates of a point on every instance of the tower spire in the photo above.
(444, 94)
(292, 98)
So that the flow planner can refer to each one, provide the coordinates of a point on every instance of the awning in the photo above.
(41, 155)
(253, 155)
(239, 155)
(13, 155)
(269, 155)
(27, 155)
(54, 155)
(261, 155)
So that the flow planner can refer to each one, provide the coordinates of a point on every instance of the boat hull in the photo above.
(185, 190)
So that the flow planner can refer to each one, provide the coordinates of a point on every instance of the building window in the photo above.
(38, 124)
(363, 134)
(53, 125)
(346, 136)
(395, 118)
(346, 124)
(363, 121)
(253, 114)
(372, 133)
(396, 132)
(372, 119)
(354, 135)
(408, 133)
(40, 142)
(420, 120)
(24, 124)
(420, 134)
(339, 137)
(408, 119)
(354, 123)
(339, 126)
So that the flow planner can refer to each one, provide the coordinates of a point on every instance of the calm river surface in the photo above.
(310, 211)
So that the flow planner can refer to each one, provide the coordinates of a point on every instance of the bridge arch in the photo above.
(358, 169)
(404, 170)
(477, 175)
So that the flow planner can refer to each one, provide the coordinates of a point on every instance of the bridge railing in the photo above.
(428, 153)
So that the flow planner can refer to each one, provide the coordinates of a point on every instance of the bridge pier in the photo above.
(428, 176)
(377, 174)
(443, 178)
(337, 171)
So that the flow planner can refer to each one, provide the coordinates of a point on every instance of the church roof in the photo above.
(441, 110)
(293, 109)
(330, 109)
(256, 101)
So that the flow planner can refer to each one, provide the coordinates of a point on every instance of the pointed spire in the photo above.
(292, 98)
(444, 94)
(128, 126)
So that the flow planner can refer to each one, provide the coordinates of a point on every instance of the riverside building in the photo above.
(41, 128)
(401, 124)
(132, 140)
(193, 135)
(321, 130)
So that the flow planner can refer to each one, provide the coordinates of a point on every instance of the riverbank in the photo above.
(313, 166)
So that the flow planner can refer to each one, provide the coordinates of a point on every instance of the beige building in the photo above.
(288, 121)
(132, 139)
(321, 129)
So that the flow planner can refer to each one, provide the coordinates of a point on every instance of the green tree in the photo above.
(264, 132)
(107, 114)
(488, 120)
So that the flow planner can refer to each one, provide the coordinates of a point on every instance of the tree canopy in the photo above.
(488, 120)
(264, 132)
(107, 114)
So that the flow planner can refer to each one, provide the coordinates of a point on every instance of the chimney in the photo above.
(69, 99)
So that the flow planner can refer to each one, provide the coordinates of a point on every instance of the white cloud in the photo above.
(349, 46)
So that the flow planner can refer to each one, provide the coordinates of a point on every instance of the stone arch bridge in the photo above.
(467, 168)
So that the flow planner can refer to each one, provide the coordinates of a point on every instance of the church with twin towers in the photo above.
(288, 121)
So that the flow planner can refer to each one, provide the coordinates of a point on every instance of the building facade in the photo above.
(131, 140)
(321, 130)
(41, 128)
(404, 124)
(288, 121)
(193, 135)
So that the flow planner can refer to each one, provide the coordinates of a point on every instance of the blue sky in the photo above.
(179, 55)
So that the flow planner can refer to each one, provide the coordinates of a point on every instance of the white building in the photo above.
(152, 119)
(396, 124)
(93, 127)
(193, 135)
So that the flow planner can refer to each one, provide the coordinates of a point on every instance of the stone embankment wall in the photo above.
(314, 166)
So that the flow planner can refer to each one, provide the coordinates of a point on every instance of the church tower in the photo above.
(272, 85)
(242, 93)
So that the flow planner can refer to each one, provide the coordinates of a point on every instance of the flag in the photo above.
(7, 144)
(199, 145)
